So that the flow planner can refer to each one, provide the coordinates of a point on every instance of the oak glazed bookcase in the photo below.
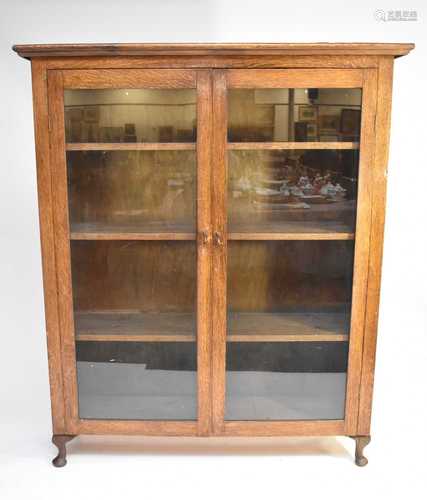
(212, 224)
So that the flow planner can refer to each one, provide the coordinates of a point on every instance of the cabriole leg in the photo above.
(361, 442)
(60, 440)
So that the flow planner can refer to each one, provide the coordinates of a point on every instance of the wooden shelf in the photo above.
(326, 221)
(135, 326)
(242, 327)
(130, 146)
(292, 145)
(288, 327)
(132, 231)
(277, 230)
(269, 230)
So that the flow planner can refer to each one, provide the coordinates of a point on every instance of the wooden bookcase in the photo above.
(212, 226)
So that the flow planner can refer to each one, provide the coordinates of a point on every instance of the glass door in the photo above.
(292, 176)
(132, 171)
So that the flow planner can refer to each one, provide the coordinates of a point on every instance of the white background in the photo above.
(169, 468)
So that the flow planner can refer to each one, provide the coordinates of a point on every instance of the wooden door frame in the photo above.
(381, 66)
(57, 82)
(292, 78)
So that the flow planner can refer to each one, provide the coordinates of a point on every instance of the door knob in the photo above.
(204, 237)
(218, 239)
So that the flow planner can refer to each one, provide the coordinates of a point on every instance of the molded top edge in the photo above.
(162, 49)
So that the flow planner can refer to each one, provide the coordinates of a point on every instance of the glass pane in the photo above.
(294, 115)
(130, 115)
(292, 191)
(132, 191)
(137, 381)
(288, 326)
(286, 381)
(291, 224)
(133, 253)
(135, 291)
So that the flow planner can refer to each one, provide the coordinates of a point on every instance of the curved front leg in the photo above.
(60, 441)
(361, 442)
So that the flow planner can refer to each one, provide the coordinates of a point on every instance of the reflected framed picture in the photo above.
(91, 114)
(329, 123)
(307, 113)
(74, 114)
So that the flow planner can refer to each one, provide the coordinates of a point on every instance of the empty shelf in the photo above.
(135, 326)
(288, 327)
(132, 231)
(242, 327)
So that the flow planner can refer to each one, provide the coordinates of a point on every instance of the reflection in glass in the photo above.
(286, 380)
(293, 191)
(141, 191)
(133, 255)
(260, 115)
(137, 381)
(130, 115)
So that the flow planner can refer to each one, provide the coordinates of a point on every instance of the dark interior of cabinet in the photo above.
(148, 276)
(313, 357)
(286, 275)
(160, 276)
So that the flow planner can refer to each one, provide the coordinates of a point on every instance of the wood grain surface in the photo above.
(175, 281)
(259, 49)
